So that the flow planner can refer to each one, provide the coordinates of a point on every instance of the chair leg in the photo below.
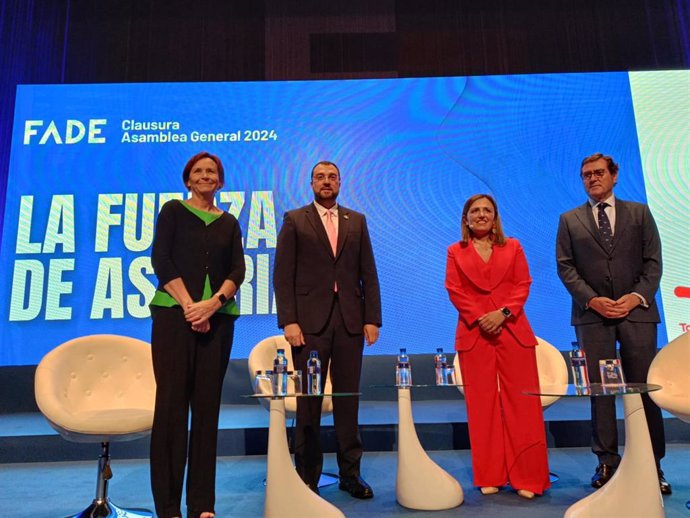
(104, 473)
(102, 507)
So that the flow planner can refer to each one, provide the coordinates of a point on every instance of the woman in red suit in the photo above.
(488, 281)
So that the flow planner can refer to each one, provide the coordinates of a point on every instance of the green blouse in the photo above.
(165, 300)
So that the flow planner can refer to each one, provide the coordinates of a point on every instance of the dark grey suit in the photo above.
(588, 269)
(306, 270)
(305, 273)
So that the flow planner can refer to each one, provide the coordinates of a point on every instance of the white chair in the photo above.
(671, 370)
(261, 359)
(99, 388)
(551, 366)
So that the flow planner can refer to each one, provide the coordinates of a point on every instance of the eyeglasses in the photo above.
(322, 177)
(597, 173)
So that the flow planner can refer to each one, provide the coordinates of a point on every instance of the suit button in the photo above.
(608, 279)
(610, 259)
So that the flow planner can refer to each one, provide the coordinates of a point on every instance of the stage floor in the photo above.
(52, 490)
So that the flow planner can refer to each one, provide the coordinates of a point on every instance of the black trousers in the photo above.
(189, 368)
(637, 350)
(341, 351)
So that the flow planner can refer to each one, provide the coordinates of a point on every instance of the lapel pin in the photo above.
(346, 216)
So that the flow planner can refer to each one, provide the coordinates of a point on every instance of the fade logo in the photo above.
(71, 131)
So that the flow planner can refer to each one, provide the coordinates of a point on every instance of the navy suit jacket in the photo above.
(588, 269)
(306, 270)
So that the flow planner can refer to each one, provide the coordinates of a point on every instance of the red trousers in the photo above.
(506, 426)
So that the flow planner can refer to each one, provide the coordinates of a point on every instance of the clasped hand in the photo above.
(610, 308)
(492, 322)
(199, 313)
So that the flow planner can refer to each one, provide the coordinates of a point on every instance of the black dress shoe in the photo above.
(664, 486)
(602, 475)
(357, 487)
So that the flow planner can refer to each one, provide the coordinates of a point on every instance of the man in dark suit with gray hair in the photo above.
(327, 293)
(609, 259)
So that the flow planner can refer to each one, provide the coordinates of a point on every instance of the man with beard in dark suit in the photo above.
(327, 293)
(609, 259)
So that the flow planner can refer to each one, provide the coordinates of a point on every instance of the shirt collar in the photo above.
(611, 200)
(322, 210)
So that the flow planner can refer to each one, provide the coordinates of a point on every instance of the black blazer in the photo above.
(184, 246)
(588, 270)
(305, 271)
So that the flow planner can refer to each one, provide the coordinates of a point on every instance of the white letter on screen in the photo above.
(61, 216)
(26, 210)
(109, 279)
(105, 219)
(27, 272)
(57, 288)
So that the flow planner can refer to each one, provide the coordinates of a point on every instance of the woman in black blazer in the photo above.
(198, 259)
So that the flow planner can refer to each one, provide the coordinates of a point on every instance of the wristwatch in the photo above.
(506, 312)
(223, 299)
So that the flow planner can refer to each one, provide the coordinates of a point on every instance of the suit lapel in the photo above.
(468, 264)
(343, 225)
(622, 223)
(315, 220)
(501, 262)
(585, 217)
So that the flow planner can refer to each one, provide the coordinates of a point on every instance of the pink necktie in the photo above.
(330, 230)
(332, 238)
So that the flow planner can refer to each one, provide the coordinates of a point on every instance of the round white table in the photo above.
(633, 490)
(420, 483)
(287, 496)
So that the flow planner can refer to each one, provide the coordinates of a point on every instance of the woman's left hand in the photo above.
(197, 313)
(491, 322)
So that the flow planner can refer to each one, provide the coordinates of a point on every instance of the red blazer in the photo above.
(473, 295)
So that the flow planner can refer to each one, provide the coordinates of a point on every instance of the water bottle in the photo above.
(314, 374)
(578, 364)
(403, 371)
(441, 367)
(280, 373)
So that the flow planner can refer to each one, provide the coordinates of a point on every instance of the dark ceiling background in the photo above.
(93, 41)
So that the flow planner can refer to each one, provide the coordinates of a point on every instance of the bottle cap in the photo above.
(281, 351)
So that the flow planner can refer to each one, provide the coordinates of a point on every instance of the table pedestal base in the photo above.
(633, 491)
(286, 495)
(421, 483)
